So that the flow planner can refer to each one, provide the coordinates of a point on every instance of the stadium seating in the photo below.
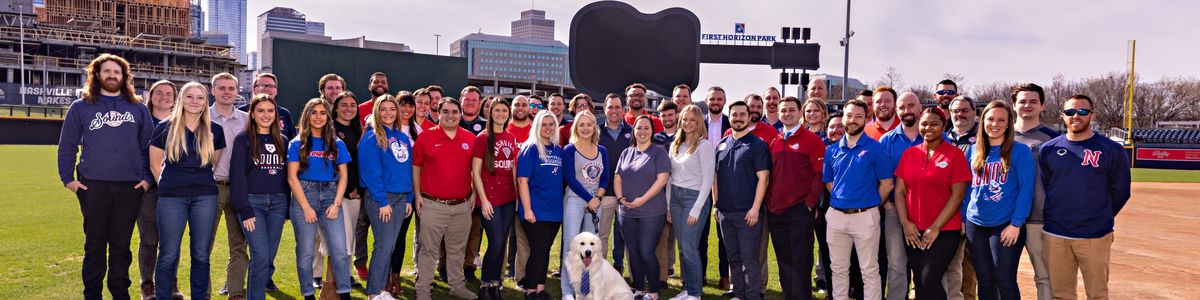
(1166, 135)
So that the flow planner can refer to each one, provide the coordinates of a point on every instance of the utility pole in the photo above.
(21, 21)
(846, 63)
(437, 44)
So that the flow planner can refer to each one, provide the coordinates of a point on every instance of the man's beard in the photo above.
(855, 131)
(879, 116)
(111, 85)
(739, 126)
(909, 119)
(714, 111)
(755, 117)
(375, 92)
(638, 106)
(520, 116)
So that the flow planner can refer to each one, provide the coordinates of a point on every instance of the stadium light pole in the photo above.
(846, 62)
(437, 44)
(21, 21)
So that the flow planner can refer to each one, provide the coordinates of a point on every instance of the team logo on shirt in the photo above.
(971, 140)
(592, 170)
(465, 147)
(1091, 158)
(399, 150)
(796, 146)
(942, 164)
(861, 154)
(721, 147)
(627, 135)
(1062, 152)
(477, 127)
(270, 147)
(111, 119)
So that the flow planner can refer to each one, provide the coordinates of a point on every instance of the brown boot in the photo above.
(724, 283)
(148, 291)
(394, 284)
(176, 295)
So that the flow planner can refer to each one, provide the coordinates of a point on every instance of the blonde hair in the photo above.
(376, 123)
(177, 134)
(535, 136)
(595, 139)
(701, 131)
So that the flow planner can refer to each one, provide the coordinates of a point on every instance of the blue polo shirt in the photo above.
(738, 161)
(856, 172)
(895, 142)
(320, 168)
(186, 177)
(546, 182)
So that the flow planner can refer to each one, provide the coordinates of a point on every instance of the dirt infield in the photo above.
(1156, 252)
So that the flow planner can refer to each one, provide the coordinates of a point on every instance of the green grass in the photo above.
(1163, 175)
(42, 242)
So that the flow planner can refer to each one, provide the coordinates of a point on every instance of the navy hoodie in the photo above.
(1086, 183)
(265, 174)
(115, 138)
(385, 170)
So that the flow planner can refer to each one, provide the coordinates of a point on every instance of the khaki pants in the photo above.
(440, 221)
(1034, 245)
(522, 247)
(1066, 257)
(860, 231)
(239, 257)
(474, 240)
(663, 253)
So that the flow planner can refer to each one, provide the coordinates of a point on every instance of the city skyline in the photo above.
(983, 42)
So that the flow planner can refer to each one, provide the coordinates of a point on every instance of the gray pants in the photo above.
(742, 243)
(239, 257)
(897, 259)
(147, 224)
(1034, 246)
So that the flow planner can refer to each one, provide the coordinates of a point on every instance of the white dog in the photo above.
(606, 283)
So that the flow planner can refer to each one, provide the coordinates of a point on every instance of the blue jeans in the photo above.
(174, 215)
(320, 198)
(497, 230)
(689, 236)
(576, 219)
(995, 265)
(386, 234)
(642, 235)
(270, 211)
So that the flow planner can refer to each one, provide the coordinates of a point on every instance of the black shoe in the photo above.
(543, 296)
(344, 296)
(317, 282)
(469, 273)
(671, 273)
(271, 287)
(729, 293)
(355, 284)
(556, 274)
(533, 296)
(224, 290)
(441, 277)
(310, 297)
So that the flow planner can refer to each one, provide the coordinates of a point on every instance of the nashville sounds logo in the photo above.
(111, 118)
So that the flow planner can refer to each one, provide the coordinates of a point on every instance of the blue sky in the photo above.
(985, 41)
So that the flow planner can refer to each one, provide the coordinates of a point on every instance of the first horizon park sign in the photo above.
(737, 37)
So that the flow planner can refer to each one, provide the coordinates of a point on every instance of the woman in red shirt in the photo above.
(932, 179)
(494, 154)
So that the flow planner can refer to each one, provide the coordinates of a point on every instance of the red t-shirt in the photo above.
(796, 165)
(927, 181)
(763, 131)
(445, 160)
(875, 130)
(520, 133)
(500, 187)
(655, 123)
(564, 134)
(364, 111)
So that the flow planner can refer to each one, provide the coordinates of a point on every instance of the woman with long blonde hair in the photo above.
(183, 150)
(693, 167)
(385, 156)
(587, 183)
(540, 188)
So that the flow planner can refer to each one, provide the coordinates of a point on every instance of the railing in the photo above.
(110, 40)
(139, 69)
(32, 111)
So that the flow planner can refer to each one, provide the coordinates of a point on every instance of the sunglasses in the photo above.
(537, 106)
(947, 92)
(1083, 112)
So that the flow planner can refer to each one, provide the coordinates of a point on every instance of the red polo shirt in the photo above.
(655, 123)
(364, 110)
(564, 133)
(761, 130)
(796, 164)
(875, 130)
(446, 161)
(927, 180)
(521, 133)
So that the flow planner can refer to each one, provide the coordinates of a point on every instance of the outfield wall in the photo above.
(1167, 156)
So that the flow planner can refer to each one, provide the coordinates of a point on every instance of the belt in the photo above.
(852, 211)
(223, 182)
(450, 202)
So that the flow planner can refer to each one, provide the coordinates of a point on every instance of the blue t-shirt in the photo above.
(856, 172)
(319, 166)
(185, 177)
(738, 162)
(545, 182)
(996, 197)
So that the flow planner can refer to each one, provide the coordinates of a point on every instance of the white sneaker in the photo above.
(383, 296)
(690, 298)
(681, 296)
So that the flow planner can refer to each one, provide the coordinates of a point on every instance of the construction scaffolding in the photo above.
(168, 18)
(85, 38)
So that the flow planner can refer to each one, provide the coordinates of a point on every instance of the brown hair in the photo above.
(327, 134)
(635, 86)
(252, 126)
(92, 87)
(580, 98)
(326, 79)
(983, 144)
(164, 82)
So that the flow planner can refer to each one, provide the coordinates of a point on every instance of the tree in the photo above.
(891, 78)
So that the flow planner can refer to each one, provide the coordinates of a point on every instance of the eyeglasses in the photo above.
(947, 92)
(961, 110)
(1083, 112)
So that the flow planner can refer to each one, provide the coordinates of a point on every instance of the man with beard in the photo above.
(681, 95)
(795, 191)
(885, 114)
(615, 136)
(743, 170)
(668, 112)
(520, 124)
(435, 101)
(834, 131)
(771, 96)
(635, 96)
(1086, 176)
(1029, 130)
(945, 92)
(556, 106)
(378, 87)
(113, 129)
(471, 119)
(959, 279)
(232, 121)
(816, 89)
(907, 135)
(759, 129)
(858, 175)
(717, 125)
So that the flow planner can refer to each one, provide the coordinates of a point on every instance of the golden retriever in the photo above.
(606, 283)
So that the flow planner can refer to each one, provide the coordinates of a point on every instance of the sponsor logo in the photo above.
(465, 146)
(110, 119)
(1062, 152)
(721, 147)
(1160, 154)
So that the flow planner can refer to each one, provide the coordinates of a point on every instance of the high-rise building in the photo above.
(229, 17)
(282, 19)
(196, 19)
(533, 25)
(314, 28)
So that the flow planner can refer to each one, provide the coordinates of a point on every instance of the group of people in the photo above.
(888, 191)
